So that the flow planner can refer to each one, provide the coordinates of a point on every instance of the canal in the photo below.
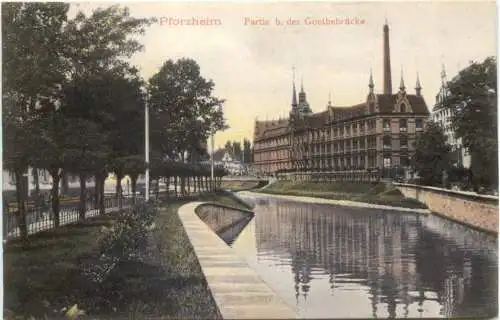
(338, 262)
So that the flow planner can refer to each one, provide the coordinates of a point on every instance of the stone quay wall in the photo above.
(224, 220)
(478, 211)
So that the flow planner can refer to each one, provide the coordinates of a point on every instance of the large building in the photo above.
(442, 116)
(375, 135)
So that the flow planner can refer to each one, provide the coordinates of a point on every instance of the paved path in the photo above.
(334, 202)
(237, 289)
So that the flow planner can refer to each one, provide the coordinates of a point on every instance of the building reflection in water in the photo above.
(407, 265)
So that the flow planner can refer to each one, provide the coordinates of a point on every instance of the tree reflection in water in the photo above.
(399, 264)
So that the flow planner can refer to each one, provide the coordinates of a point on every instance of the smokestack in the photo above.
(387, 61)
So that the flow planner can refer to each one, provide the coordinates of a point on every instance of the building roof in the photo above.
(271, 128)
(386, 104)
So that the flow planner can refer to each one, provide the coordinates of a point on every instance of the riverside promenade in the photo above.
(240, 293)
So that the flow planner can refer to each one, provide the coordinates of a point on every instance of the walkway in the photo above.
(237, 289)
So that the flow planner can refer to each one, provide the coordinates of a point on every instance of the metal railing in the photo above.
(39, 214)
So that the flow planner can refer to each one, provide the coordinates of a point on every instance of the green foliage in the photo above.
(234, 148)
(183, 111)
(473, 101)
(129, 234)
(432, 155)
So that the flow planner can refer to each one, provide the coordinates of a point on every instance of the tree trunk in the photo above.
(36, 180)
(65, 183)
(21, 205)
(97, 192)
(188, 185)
(119, 178)
(133, 185)
(183, 185)
(167, 184)
(82, 207)
(195, 181)
(55, 196)
(175, 186)
(102, 209)
(157, 190)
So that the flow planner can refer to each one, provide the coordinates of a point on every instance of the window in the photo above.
(418, 125)
(387, 142)
(403, 141)
(387, 125)
(405, 161)
(362, 143)
(403, 125)
(387, 161)
(372, 142)
(362, 126)
(402, 108)
(355, 144)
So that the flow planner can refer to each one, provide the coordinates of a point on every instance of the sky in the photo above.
(251, 62)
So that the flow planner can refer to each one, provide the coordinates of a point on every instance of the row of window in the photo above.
(361, 143)
(355, 162)
(360, 127)
(276, 142)
(271, 155)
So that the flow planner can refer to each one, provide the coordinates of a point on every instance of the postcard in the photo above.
(257, 160)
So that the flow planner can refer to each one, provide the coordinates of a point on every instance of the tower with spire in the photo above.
(304, 107)
(443, 91)
(418, 86)
(294, 93)
(402, 87)
(387, 61)
(370, 82)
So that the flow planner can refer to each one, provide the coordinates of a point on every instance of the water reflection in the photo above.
(346, 262)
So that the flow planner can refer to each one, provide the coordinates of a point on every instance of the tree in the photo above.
(103, 88)
(431, 156)
(473, 100)
(247, 151)
(183, 110)
(236, 151)
(31, 43)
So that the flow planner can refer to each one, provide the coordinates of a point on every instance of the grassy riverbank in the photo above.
(240, 185)
(376, 193)
(48, 275)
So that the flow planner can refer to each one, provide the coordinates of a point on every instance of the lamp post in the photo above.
(146, 144)
(212, 155)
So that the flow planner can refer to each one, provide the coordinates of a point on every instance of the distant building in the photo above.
(44, 181)
(375, 135)
(442, 116)
(234, 167)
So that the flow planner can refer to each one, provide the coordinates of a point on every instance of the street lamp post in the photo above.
(212, 156)
(146, 143)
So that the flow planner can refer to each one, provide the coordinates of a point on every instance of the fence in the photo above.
(39, 215)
